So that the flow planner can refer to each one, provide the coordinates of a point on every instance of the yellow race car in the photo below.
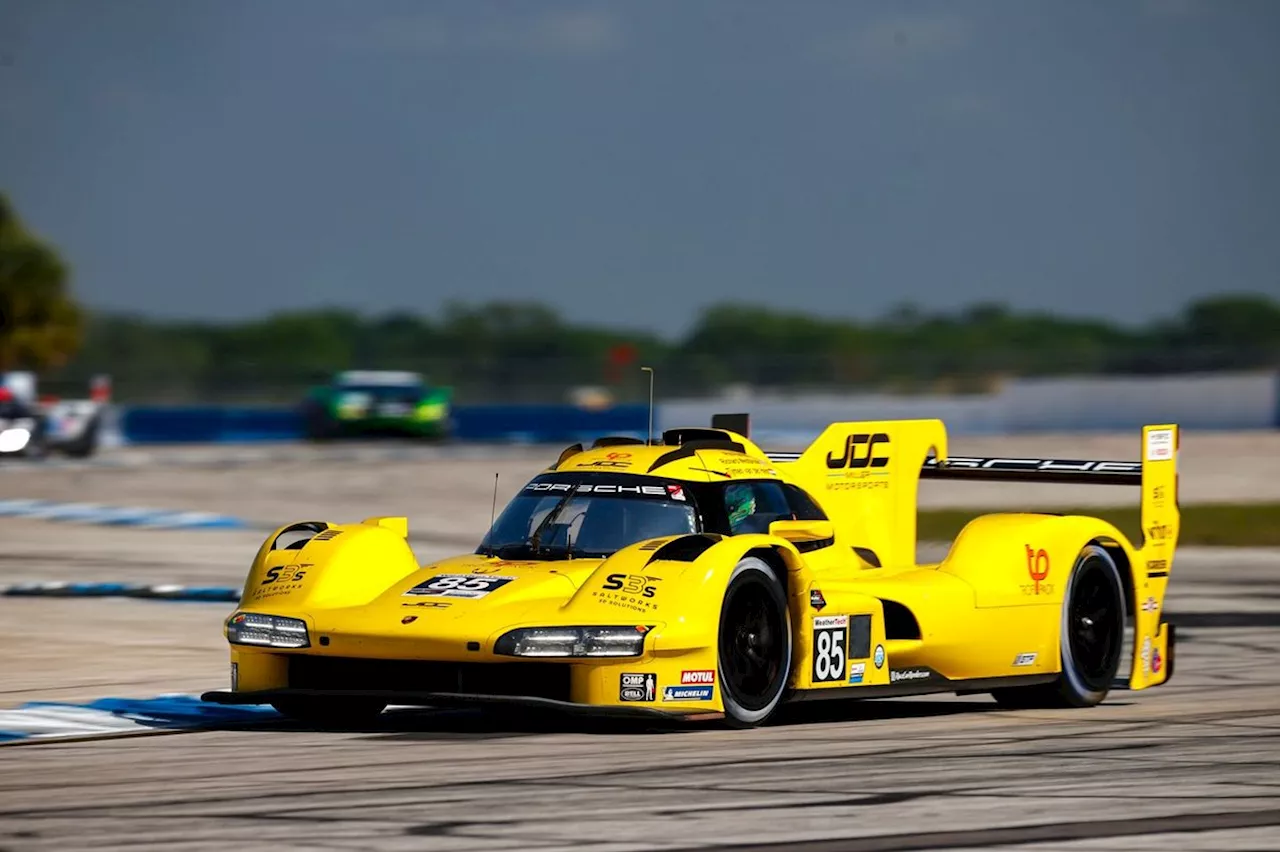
(702, 577)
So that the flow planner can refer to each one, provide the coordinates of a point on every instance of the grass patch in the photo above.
(1210, 524)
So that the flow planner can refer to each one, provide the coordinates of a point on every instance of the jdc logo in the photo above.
(851, 456)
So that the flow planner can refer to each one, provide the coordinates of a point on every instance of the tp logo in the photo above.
(1037, 566)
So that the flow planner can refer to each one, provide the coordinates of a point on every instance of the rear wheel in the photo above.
(754, 643)
(1092, 638)
(330, 712)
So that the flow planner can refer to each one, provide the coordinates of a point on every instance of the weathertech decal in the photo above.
(830, 648)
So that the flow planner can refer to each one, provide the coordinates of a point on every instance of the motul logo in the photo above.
(706, 676)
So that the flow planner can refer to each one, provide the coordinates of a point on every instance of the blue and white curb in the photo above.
(160, 591)
(130, 516)
(113, 717)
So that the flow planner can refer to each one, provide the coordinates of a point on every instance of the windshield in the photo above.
(593, 518)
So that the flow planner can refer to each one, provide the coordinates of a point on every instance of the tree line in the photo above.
(527, 352)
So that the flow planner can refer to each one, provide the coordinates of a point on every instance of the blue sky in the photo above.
(632, 162)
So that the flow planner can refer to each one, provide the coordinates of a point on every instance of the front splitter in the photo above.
(454, 700)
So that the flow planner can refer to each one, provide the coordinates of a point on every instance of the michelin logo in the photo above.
(687, 693)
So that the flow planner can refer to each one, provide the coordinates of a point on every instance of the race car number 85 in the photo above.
(830, 644)
(458, 586)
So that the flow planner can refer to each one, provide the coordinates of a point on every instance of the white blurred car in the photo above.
(35, 428)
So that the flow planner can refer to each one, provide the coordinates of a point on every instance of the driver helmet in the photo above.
(740, 501)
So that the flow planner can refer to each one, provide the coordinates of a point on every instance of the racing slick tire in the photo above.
(327, 712)
(86, 444)
(1092, 638)
(754, 643)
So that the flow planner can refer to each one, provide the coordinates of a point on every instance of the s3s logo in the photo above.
(273, 574)
(630, 584)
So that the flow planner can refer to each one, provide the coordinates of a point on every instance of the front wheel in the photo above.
(330, 712)
(754, 643)
(1092, 638)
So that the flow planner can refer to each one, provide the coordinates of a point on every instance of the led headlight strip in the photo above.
(608, 641)
(267, 631)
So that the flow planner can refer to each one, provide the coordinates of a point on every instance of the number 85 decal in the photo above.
(830, 648)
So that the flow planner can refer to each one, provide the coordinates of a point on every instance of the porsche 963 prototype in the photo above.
(700, 576)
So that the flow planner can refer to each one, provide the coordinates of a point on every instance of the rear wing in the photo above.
(974, 469)
(965, 468)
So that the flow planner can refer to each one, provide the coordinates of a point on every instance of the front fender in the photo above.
(343, 565)
(678, 581)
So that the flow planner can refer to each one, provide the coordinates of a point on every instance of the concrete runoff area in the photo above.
(1190, 765)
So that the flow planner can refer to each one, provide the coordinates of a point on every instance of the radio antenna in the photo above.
(493, 513)
(649, 370)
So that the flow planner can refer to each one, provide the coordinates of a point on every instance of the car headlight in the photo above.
(432, 410)
(267, 631)
(573, 642)
(14, 440)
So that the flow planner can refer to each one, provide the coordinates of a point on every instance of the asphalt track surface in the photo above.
(1194, 765)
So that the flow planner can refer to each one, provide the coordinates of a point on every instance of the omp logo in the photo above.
(637, 687)
(851, 456)
(630, 584)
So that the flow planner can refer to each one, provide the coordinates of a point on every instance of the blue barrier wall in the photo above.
(1216, 401)
(505, 423)
(207, 424)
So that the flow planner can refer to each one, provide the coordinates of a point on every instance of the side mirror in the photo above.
(803, 530)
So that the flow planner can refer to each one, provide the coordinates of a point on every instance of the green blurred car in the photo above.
(372, 403)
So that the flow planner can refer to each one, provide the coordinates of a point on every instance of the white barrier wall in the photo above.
(1216, 401)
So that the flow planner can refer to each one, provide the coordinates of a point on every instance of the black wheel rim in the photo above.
(752, 638)
(1096, 624)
